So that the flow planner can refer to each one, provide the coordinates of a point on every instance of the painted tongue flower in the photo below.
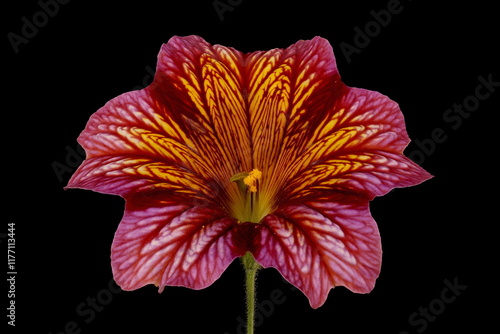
(227, 153)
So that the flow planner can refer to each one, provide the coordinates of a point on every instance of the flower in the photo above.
(265, 152)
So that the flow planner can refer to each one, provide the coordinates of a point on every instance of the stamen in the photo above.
(257, 174)
(251, 180)
(247, 209)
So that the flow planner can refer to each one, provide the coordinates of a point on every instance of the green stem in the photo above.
(251, 267)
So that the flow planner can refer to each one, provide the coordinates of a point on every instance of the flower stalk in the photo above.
(251, 268)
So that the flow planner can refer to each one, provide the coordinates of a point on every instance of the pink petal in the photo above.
(322, 244)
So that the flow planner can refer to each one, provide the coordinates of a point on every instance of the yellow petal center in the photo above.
(249, 207)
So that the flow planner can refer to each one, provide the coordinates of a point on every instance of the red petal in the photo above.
(202, 86)
(133, 137)
(164, 242)
(355, 148)
(288, 87)
(319, 245)
(134, 145)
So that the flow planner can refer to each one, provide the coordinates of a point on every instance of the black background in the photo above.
(427, 58)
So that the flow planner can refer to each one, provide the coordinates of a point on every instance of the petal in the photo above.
(133, 135)
(285, 87)
(164, 242)
(322, 244)
(356, 148)
(203, 86)
(124, 175)
(289, 89)
(134, 144)
(186, 132)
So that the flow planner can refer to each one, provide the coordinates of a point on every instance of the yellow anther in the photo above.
(255, 173)
(249, 179)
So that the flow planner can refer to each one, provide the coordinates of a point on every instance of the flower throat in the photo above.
(247, 208)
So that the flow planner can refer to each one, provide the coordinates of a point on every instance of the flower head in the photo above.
(265, 152)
